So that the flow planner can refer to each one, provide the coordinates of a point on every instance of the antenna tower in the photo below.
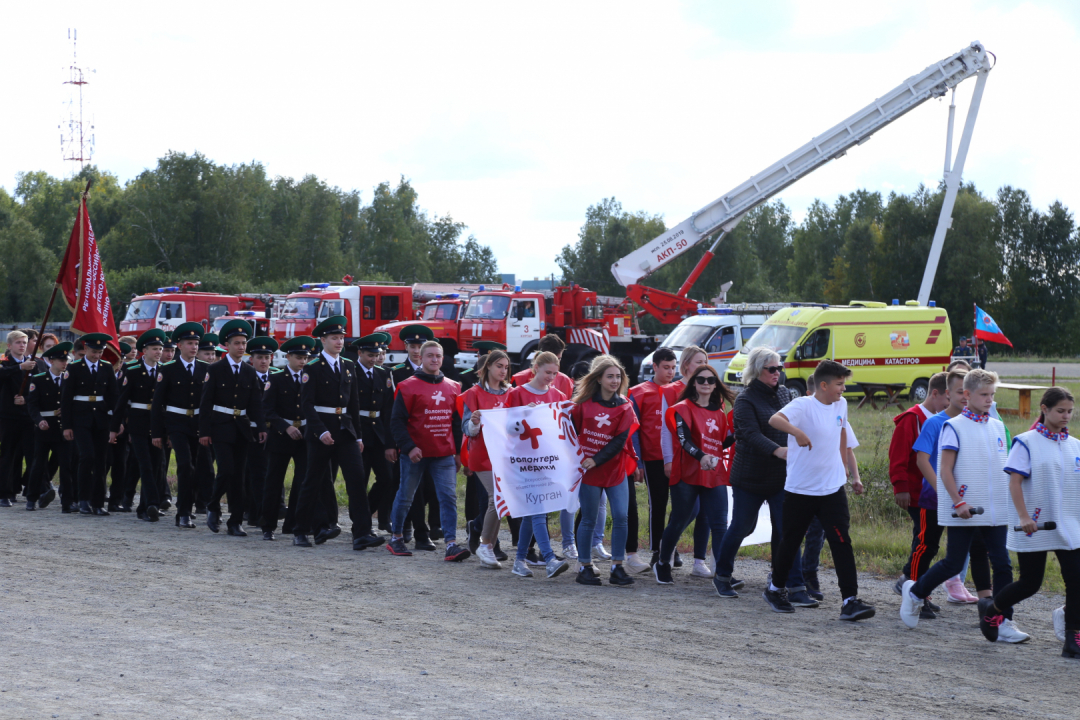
(76, 139)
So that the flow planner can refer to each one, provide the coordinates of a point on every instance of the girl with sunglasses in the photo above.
(702, 433)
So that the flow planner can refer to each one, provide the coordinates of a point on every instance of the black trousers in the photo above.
(166, 458)
(93, 446)
(632, 527)
(193, 468)
(16, 443)
(1032, 567)
(311, 513)
(132, 472)
(381, 495)
(658, 502)
(280, 451)
(231, 463)
(254, 479)
(832, 511)
(925, 541)
(116, 463)
(49, 446)
(148, 458)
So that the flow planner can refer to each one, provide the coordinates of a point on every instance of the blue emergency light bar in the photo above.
(453, 296)
(517, 288)
(171, 289)
(245, 313)
(714, 311)
(481, 288)
(319, 286)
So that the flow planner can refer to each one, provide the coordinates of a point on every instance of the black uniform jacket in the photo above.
(235, 391)
(179, 389)
(80, 383)
(321, 387)
(44, 396)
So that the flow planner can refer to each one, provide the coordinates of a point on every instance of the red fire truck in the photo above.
(365, 306)
(171, 306)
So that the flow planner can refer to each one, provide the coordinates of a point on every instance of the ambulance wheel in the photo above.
(797, 387)
(919, 390)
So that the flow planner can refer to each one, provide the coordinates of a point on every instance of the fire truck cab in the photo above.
(364, 306)
(441, 315)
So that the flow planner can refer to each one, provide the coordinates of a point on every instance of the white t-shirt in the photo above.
(818, 470)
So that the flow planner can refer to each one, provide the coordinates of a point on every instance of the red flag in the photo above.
(82, 281)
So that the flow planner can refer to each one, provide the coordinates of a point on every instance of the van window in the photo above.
(216, 311)
(171, 311)
(747, 333)
(722, 341)
(817, 345)
(369, 307)
(390, 305)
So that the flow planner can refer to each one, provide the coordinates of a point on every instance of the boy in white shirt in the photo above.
(816, 478)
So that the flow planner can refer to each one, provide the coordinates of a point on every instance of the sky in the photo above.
(514, 118)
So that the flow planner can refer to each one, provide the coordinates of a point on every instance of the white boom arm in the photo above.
(726, 212)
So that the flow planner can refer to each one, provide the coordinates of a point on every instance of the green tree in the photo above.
(28, 273)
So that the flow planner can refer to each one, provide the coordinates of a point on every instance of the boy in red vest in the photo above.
(427, 432)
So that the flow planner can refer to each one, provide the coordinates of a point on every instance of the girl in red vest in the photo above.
(539, 390)
(489, 393)
(604, 420)
(701, 432)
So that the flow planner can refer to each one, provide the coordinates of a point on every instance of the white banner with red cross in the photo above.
(535, 459)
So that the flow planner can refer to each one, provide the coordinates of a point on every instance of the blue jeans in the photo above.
(684, 499)
(811, 555)
(592, 498)
(745, 508)
(702, 527)
(534, 526)
(444, 474)
(957, 548)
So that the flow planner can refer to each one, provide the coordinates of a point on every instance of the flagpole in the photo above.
(52, 298)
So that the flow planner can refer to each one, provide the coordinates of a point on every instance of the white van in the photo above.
(721, 331)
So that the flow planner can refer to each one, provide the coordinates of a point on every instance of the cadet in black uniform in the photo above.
(376, 392)
(285, 437)
(86, 401)
(207, 354)
(261, 349)
(168, 354)
(330, 402)
(133, 411)
(175, 419)
(16, 430)
(231, 401)
(118, 461)
(43, 404)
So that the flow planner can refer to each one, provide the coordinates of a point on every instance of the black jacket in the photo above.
(44, 396)
(375, 396)
(102, 385)
(240, 391)
(179, 389)
(321, 387)
(136, 388)
(756, 468)
(11, 377)
(281, 407)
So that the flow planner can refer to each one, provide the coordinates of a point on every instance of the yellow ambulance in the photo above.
(880, 343)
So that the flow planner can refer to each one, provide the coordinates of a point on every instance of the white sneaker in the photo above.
(556, 567)
(487, 557)
(1009, 633)
(636, 565)
(909, 606)
(599, 552)
(521, 569)
(570, 552)
(701, 569)
(1059, 623)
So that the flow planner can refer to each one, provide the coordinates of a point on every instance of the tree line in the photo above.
(1019, 263)
(233, 228)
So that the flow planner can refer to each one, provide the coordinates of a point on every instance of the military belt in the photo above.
(230, 411)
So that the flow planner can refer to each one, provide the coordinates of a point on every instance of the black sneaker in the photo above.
(724, 588)
(990, 618)
(474, 537)
(397, 547)
(800, 598)
(655, 559)
(456, 553)
(619, 577)
(927, 613)
(856, 609)
(532, 558)
(424, 544)
(587, 576)
(736, 584)
(777, 600)
(662, 573)
(929, 604)
(499, 554)
(677, 562)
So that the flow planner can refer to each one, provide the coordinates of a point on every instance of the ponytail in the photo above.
(1051, 398)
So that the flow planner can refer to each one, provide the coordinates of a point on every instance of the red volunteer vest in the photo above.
(431, 414)
(562, 383)
(473, 450)
(520, 397)
(707, 430)
(596, 426)
(648, 397)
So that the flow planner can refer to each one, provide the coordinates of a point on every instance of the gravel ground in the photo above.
(116, 618)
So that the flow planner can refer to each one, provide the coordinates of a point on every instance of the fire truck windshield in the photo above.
(487, 307)
(142, 310)
(298, 308)
(441, 311)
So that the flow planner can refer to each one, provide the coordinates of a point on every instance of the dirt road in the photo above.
(116, 618)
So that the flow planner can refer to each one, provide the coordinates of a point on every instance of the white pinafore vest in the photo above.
(1052, 493)
(979, 473)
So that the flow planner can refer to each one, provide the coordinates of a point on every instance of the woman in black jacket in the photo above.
(758, 471)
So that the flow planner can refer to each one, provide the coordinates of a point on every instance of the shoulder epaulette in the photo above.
(275, 371)
(312, 362)
(41, 374)
(348, 360)
(74, 362)
(398, 367)
(132, 363)
(202, 361)
(167, 363)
